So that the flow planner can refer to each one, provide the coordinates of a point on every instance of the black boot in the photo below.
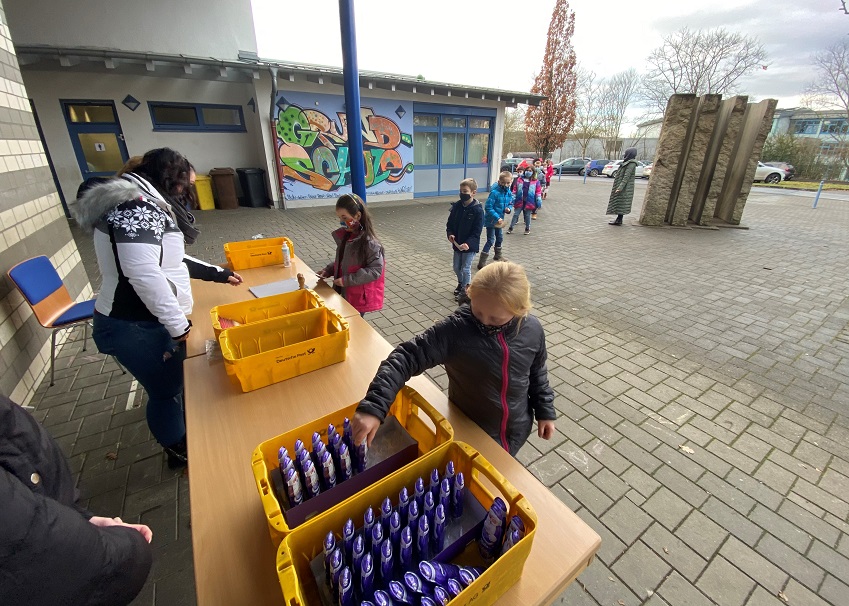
(178, 455)
(457, 291)
(463, 299)
(482, 260)
(617, 221)
(497, 256)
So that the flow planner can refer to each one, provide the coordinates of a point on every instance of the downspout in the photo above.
(278, 179)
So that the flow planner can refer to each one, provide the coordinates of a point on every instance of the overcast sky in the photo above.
(488, 42)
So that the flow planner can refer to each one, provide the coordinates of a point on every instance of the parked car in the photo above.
(596, 166)
(610, 169)
(647, 170)
(789, 169)
(769, 174)
(571, 166)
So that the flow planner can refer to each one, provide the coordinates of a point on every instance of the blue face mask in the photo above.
(528, 174)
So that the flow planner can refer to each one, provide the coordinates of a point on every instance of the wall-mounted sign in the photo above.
(101, 147)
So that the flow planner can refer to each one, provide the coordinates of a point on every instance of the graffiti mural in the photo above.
(312, 145)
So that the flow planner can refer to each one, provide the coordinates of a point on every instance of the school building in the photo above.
(84, 86)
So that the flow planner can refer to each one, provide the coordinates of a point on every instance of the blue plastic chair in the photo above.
(50, 300)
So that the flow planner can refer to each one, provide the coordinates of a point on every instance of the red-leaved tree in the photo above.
(548, 125)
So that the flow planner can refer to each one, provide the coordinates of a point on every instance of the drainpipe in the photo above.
(276, 180)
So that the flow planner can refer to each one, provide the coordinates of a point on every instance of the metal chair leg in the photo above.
(123, 370)
(52, 355)
(85, 335)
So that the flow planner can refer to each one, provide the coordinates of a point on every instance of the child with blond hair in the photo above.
(494, 354)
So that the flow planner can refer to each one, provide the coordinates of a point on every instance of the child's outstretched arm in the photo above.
(540, 393)
(407, 360)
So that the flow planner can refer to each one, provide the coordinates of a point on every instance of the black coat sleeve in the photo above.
(50, 554)
(540, 394)
(407, 360)
(474, 236)
(204, 271)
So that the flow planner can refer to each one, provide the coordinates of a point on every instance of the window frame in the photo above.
(201, 126)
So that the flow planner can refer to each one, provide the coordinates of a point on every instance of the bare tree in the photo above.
(549, 124)
(830, 90)
(618, 93)
(843, 7)
(588, 121)
(700, 62)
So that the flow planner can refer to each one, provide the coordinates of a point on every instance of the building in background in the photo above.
(829, 128)
(87, 85)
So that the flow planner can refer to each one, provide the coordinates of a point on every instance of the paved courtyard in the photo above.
(702, 380)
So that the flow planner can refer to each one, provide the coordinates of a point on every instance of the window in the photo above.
(425, 120)
(425, 148)
(196, 117)
(81, 113)
(835, 126)
(478, 148)
(806, 127)
(479, 123)
(452, 122)
(453, 148)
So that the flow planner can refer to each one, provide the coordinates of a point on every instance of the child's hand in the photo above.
(451, 239)
(545, 429)
(464, 247)
(500, 223)
(339, 282)
(364, 427)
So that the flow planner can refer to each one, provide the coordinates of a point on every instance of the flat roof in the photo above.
(47, 57)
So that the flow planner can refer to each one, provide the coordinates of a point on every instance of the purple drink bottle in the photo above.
(387, 562)
(348, 540)
(457, 496)
(346, 587)
(346, 468)
(404, 505)
(439, 529)
(329, 548)
(423, 538)
(406, 549)
(445, 495)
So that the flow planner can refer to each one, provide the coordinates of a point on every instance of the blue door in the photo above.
(96, 136)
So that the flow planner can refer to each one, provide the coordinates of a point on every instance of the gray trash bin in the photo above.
(253, 187)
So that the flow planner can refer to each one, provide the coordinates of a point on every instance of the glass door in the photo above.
(96, 136)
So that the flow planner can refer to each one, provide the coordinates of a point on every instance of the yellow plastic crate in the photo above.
(265, 308)
(248, 254)
(281, 348)
(415, 414)
(304, 543)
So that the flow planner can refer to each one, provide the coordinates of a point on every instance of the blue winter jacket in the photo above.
(500, 197)
(465, 223)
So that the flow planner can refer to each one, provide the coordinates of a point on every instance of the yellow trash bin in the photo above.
(203, 185)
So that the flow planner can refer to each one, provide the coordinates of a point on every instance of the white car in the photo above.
(769, 174)
(647, 170)
(612, 168)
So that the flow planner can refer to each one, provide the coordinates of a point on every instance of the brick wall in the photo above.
(32, 223)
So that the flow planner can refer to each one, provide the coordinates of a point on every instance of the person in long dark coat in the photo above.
(623, 187)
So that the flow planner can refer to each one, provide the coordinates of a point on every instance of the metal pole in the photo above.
(351, 78)
(819, 191)
(586, 170)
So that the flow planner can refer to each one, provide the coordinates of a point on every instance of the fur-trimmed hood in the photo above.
(102, 198)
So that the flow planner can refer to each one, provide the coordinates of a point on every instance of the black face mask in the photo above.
(465, 197)
(487, 330)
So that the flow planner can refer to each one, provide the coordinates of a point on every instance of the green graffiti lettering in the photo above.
(293, 126)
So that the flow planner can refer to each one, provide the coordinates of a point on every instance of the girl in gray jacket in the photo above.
(494, 355)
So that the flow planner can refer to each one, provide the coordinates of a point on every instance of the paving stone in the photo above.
(579, 459)
(798, 594)
(597, 580)
(754, 565)
(586, 493)
(732, 521)
(564, 495)
(626, 520)
(732, 456)
(149, 498)
(102, 483)
(672, 549)
(833, 590)
(641, 481)
(777, 478)
(636, 455)
(790, 561)
(682, 463)
(827, 558)
(641, 570)
(835, 483)
(677, 590)
(550, 469)
(680, 486)
(826, 500)
(753, 488)
(575, 595)
(667, 508)
(610, 484)
(527, 454)
(608, 457)
(701, 534)
(600, 430)
(98, 440)
(639, 436)
(780, 528)
(810, 523)
(725, 583)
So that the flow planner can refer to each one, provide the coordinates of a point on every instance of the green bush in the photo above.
(803, 153)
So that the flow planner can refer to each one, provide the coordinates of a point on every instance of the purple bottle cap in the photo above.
(460, 481)
(386, 508)
(517, 524)
(426, 601)
(331, 429)
(466, 577)
(367, 564)
(348, 530)
(454, 587)
(434, 478)
(441, 596)
(337, 560)
(499, 503)
(395, 521)
(439, 514)
(406, 537)
(381, 598)
(449, 469)
(285, 462)
(282, 453)
(367, 603)
(359, 545)
(399, 592)
(445, 488)
(376, 533)
(316, 437)
(329, 543)
(424, 526)
(429, 503)
(403, 496)
(413, 582)
(299, 446)
(419, 487)
(345, 579)
(368, 517)
(386, 550)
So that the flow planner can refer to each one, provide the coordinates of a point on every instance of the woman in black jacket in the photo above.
(51, 550)
(494, 355)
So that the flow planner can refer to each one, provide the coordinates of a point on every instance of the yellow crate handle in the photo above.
(444, 431)
(260, 477)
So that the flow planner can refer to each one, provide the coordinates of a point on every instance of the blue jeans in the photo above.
(494, 235)
(150, 354)
(463, 267)
(527, 214)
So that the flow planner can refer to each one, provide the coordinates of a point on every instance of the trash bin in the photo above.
(224, 182)
(203, 187)
(253, 187)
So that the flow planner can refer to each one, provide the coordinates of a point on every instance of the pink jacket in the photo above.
(362, 282)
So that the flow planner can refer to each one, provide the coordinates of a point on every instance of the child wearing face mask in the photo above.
(463, 228)
(494, 354)
(497, 205)
(528, 193)
(359, 268)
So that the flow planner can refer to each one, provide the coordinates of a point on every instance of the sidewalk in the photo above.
(702, 380)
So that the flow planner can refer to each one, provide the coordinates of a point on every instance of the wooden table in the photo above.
(209, 294)
(233, 556)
